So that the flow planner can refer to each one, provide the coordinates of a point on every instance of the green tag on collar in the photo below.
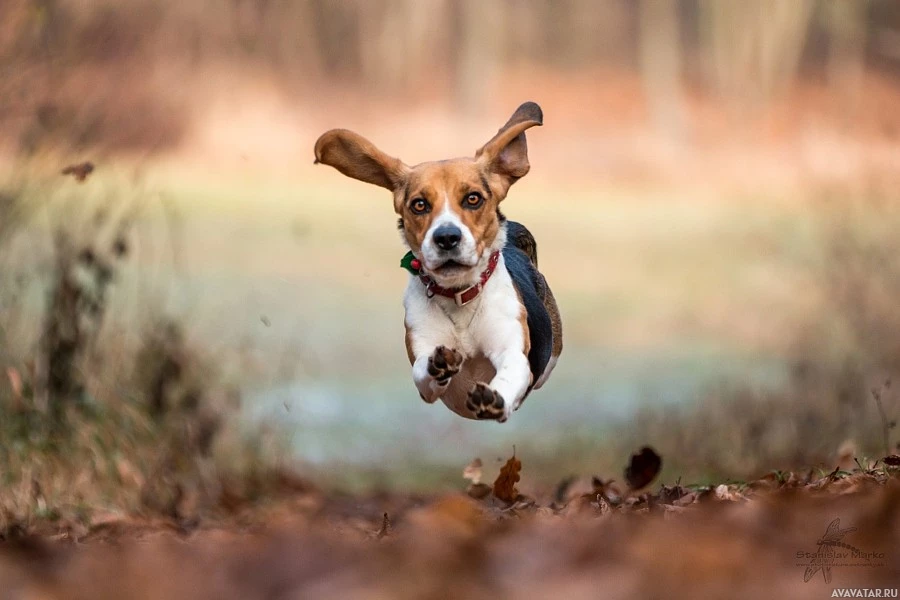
(406, 263)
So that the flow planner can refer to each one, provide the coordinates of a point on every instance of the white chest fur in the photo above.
(488, 332)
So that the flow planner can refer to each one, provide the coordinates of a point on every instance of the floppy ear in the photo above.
(356, 157)
(506, 154)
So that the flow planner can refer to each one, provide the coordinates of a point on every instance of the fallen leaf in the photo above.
(795, 480)
(643, 468)
(449, 517)
(79, 171)
(668, 495)
(385, 527)
(607, 489)
(562, 490)
(892, 461)
(687, 499)
(478, 490)
(582, 504)
(472, 472)
(723, 492)
(505, 484)
(545, 513)
(522, 504)
(764, 484)
(603, 507)
(853, 484)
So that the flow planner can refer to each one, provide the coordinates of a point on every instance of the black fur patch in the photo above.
(525, 278)
(517, 235)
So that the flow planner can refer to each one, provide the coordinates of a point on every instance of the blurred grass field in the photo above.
(293, 283)
(670, 296)
(636, 268)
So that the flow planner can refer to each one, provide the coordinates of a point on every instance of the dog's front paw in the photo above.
(444, 363)
(485, 403)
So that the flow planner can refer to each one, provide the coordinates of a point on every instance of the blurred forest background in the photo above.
(715, 192)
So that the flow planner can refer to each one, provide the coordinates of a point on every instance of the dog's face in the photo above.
(449, 210)
(449, 217)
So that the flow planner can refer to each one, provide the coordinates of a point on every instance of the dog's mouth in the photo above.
(450, 267)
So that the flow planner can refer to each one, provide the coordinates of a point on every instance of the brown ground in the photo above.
(581, 541)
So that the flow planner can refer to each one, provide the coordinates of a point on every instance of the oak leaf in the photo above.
(505, 484)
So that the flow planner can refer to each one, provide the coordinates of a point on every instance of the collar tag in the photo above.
(460, 298)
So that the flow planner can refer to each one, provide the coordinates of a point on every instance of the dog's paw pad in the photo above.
(444, 363)
(485, 403)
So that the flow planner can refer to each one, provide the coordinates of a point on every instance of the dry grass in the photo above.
(838, 401)
(97, 417)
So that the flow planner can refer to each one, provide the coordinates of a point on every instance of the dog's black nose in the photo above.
(447, 237)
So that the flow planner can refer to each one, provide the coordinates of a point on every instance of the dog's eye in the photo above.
(473, 200)
(419, 206)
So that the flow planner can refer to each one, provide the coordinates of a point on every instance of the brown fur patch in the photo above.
(409, 348)
(523, 321)
(555, 320)
(442, 182)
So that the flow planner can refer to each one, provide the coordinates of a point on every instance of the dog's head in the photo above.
(449, 209)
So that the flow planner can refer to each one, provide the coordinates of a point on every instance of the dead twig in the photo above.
(886, 424)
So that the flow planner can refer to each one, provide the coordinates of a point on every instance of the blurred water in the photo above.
(365, 425)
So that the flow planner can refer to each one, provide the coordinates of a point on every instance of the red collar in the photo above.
(465, 295)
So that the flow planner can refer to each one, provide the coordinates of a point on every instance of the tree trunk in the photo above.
(660, 57)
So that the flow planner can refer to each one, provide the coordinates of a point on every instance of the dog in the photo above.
(482, 327)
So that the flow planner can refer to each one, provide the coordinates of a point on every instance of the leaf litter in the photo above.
(584, 538)
(505, 484)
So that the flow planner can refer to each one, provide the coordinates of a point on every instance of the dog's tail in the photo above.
(521, 238)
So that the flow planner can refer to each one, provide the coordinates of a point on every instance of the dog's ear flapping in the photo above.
(506, 154)
(357, 157)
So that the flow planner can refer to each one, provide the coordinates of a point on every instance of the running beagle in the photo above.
(482, 327)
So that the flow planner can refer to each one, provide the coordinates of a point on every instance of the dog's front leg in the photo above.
(512, 379)
(507, 389)
(430, 343)
(432, 372)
